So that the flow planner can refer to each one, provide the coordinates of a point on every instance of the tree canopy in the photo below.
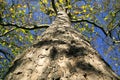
(23, 21)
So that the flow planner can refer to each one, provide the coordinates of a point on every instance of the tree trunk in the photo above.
(61, 54)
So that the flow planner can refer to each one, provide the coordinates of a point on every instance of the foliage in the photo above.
(97, 19)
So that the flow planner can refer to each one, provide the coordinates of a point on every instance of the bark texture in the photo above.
(61, 54)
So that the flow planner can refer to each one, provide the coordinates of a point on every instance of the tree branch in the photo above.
(113, 20)
(8, 43)
(106, 33)
(76, 21)
(7, 32)
(67, 4)
(110, 31)
(116, 41)
(5, 54)
(26, 28)
(53, 5)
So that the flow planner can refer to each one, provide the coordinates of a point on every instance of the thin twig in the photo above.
(7, 32)
(76, 21)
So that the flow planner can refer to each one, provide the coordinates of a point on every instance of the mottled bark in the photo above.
(61, 54)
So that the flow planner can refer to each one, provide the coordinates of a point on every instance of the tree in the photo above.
(71, 46)
(62, 53)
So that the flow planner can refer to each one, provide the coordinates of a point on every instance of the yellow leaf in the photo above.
(11, 9)
(82, 29)
(91, 9)
(87, 15)
(83, 7)
(38, 37)
(6, 31)
(20, 11)
(20, 38)
(69, 6)
(19, 5)
(86, 24)
(84, 10)
(45, 1)
(25, 6)
(74, 17)
(57, 4)
(42, 9)
(23, 30)
(13, 16)
(31, 37)
(92, 29)
(61, 1)
(50, 15)
(105, 18)
(40, 3)
(88, 6)
(113, 14)
(76, 12)
(3, 43)
(24, 11)
(1, 57)
(10, 45)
